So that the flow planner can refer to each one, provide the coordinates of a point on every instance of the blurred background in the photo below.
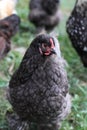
(77, 74)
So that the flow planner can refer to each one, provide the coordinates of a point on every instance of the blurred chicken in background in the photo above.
(7, 7)
(9, 24)
(44, 14)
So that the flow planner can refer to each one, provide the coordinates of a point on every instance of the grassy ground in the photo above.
(77, 74)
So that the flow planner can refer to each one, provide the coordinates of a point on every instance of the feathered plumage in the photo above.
(44, 14)
(8, 28)
(77, 29)
(14, 121)
(38, 90)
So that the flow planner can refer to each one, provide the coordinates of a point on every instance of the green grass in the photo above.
(77, 74)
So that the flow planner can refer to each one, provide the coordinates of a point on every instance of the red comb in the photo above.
(52, 44)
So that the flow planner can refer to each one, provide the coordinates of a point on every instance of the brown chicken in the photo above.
(8, 28)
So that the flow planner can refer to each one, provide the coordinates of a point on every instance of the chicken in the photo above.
(44, 14)
(38, 90)
(7, 7)
(8, 28)
(77, 29)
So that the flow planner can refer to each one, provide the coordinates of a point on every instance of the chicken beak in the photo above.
(53, 51)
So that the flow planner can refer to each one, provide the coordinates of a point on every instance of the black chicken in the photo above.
(44, 14)
(38, 90)
(8, 28)
(77, 29)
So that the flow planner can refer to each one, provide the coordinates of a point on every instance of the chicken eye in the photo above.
(44, 45)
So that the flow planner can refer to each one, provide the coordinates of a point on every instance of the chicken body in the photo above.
(77, 29)
(8, 28)
(38, 90)
(44, 14)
